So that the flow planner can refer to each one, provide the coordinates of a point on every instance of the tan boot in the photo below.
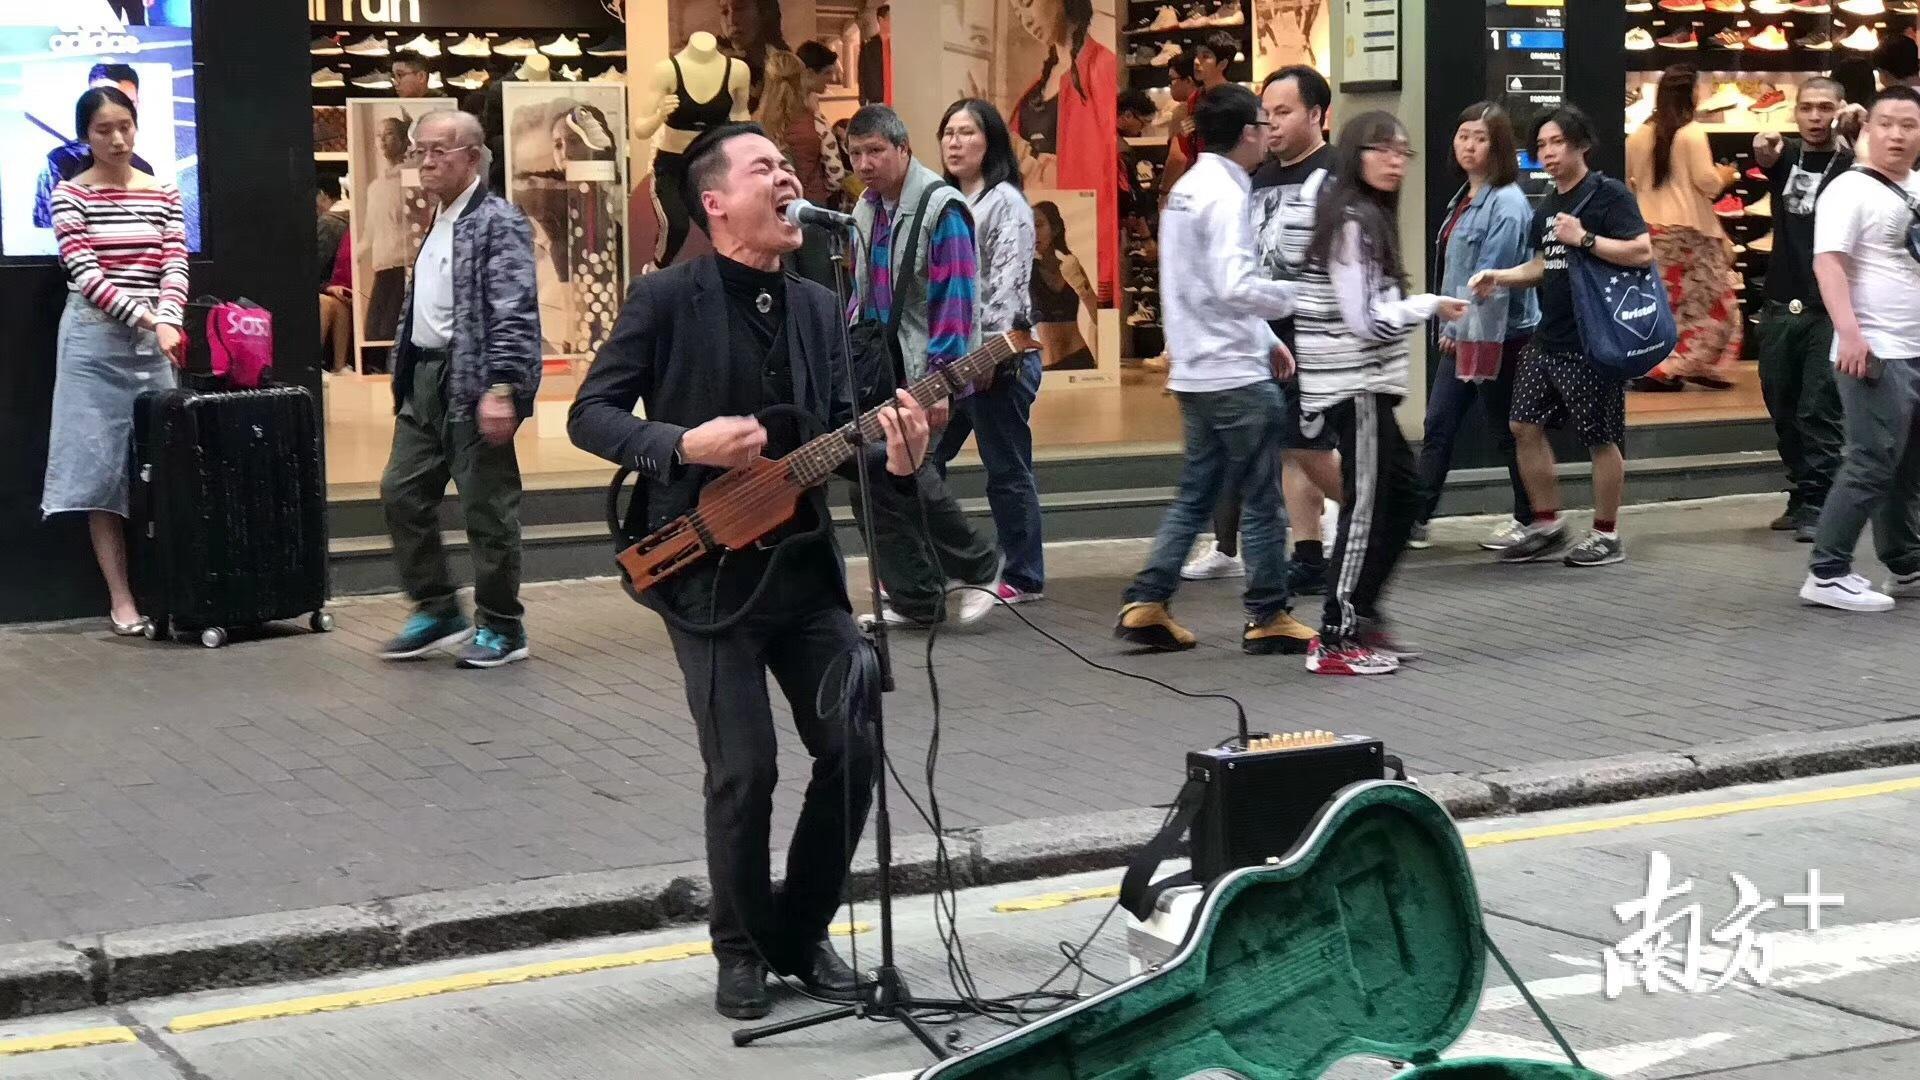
(1151, 626)
(1281, 634)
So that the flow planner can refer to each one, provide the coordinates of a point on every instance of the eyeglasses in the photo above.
(1404, 153)
(433, 153)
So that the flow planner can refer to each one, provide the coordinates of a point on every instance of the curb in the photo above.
(57, 976)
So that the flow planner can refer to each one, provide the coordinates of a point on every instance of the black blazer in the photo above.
(665, 349)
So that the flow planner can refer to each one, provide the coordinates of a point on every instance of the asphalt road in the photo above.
(1842, 1000)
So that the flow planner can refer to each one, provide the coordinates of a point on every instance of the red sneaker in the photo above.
(1730, 206)
(1350, 658)
(1011, 595)
(1758, 174)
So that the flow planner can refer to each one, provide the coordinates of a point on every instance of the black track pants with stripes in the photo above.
(1382, 481)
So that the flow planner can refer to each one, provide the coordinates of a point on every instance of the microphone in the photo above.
(802, 212)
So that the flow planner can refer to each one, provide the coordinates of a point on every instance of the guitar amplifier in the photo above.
(1258, 799)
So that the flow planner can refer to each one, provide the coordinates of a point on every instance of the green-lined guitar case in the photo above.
(1365, 939)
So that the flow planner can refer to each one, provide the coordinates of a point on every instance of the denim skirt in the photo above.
(102, 366)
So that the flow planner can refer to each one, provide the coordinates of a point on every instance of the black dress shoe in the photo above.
(741, 991)
(828, 976)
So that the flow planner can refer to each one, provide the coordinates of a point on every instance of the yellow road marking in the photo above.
(1049, 901)
(453, 984)
(68, 1040)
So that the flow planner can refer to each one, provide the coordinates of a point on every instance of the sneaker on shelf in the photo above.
(435, 82)
(492, 649)
(1821, 41)
(1348, 658)
(562, 46)
(1013, 594)
(1229, 14)
(1682, 6)
(1598, 549)
(1536, 544)
(1849, 592)
(569, 73)
(1307, 578)
(375, 81)
(611, 75)
(1637, 6)
(1157, 363)
(1421, 538)
(1730, 38)
(1726, 7)
(420, 46)
(327, 79)
(371, 45)
(1141, 55)
(1769, 99)
(1196, 16)
(1811, 7)
(325, 45)
(1760, 207)
(1505, 536)
(1639, 40)
(1725, 96)
(1730, 206)
(425, 633)
(1213, 565)
(1772, 39)
(1762, 245)
(1685, 38)
(615, 45)
(1863, 39)
(473, 45)
(470, 80)
(1903, 7)
(1151, 626)
(1863, 7)
(1756, 174)
(515, 47)
(1769, 7)
(1282, 634)
(1168, 51)
(1375, 634)
(1165, 19)
(1903, 585)
(1143, 315)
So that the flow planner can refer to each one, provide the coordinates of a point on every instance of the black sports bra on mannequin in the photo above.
(699, 116)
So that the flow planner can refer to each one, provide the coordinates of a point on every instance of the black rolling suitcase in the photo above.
(229, 511)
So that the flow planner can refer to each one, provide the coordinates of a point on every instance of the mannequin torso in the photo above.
(706, 74)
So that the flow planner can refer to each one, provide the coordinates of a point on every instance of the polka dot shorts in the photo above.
(1554, 388)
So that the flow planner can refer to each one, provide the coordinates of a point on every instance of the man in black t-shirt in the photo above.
(1555, 383)
(1796, 336)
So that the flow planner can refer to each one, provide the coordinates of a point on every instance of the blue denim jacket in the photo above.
(1492, 235)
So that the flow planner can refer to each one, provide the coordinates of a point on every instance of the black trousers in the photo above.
(1384, 501)
(726, 677)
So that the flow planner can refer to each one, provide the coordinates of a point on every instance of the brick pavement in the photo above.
(144, 784)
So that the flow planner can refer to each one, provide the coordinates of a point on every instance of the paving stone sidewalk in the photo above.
(145, 784)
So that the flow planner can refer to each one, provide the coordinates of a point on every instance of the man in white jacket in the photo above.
(1225, 363)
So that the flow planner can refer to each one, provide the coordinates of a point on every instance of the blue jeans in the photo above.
(998, 419)
(1232, 439)
(1447, 407)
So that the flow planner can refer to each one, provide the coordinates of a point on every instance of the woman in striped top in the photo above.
(123, 243)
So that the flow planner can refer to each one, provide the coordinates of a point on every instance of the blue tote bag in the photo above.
(1626, 323)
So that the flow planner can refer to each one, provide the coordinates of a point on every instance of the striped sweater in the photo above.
(124, 250)
(1350, 322)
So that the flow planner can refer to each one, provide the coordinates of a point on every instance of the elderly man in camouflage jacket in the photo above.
(466, 364)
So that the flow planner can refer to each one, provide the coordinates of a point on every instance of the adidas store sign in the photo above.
(90, 41)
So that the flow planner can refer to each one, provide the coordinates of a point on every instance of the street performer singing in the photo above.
(708, 344)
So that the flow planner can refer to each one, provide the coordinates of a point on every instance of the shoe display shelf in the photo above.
(1153, 32)
(1753, 57)
(352, 60)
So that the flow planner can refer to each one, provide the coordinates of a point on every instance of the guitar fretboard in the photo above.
(814, 462)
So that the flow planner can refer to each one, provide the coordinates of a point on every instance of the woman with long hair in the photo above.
(1065, 124)
(1671, 172)
(123, 244)
(1486, 227)
(977, 152)
(1352, 320)
(1060, 288)
(754, 35)
(786, 112)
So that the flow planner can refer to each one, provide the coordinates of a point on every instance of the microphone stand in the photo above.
(883, 993)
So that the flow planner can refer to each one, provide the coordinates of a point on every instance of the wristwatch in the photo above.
(1587, 241)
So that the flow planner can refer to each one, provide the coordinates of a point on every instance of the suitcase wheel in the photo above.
(213, 637)
(321, 622)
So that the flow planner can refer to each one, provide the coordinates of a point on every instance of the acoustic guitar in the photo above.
(747, 503)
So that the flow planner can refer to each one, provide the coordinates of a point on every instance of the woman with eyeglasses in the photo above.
(123, 244)
(1352, 321)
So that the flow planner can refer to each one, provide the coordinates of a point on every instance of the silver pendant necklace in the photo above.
(763, 303)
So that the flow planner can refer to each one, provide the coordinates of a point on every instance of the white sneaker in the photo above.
(1907, 585)
(1214, 564)
(968, 604)
(1421, 538)
(420, 46)
(561, 46)
(892, 619)
(472, 45)
(1850, 593)
(1504, 537)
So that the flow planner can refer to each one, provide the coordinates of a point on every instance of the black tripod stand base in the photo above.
(884, 998)
(743, 1036)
